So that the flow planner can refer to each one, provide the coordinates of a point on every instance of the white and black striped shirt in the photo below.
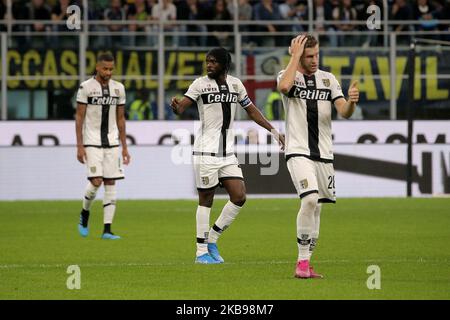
(308, 115)
(217, 107)
(100, 124)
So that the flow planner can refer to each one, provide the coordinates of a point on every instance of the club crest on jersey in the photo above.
(326, 82)
(205, 180)
(304, 184)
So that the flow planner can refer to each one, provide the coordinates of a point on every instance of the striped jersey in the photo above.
(100, 124)
(217, 106)
(308, 115)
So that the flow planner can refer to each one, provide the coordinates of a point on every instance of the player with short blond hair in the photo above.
(308, 94)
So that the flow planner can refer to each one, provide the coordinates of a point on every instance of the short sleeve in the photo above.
(243, 98)
(193, 91)
(82, 95)
(336, 90)
(122, 96)
(280, 74)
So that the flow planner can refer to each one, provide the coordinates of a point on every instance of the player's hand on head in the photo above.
(353, 92)
(297, 45)
(81, 154)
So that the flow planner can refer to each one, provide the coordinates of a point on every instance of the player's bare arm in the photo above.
(296, 51)
(344, 107)
(79, 119)
(122, 134)
(178, 106)
(256, 115)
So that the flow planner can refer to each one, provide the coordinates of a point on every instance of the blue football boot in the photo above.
(214, 252)
(110, 236)
(206, 259)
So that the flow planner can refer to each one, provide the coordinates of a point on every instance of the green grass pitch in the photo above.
(408, 239)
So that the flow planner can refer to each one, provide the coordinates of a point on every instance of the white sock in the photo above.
(226, 218)
(305, 224)
(89, 196)
(315, 231)
(202, 218)
(109, 204)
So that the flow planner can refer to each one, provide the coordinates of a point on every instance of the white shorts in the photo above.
(104, 163)
(210, 171)
(311, 176)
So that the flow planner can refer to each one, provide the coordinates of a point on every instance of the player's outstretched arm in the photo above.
(345, 108)
(123, 134)
(256, 115)
(178, 106)
(296, 51)
(79, 119)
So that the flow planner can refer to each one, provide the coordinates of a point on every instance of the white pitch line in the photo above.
(156, 264)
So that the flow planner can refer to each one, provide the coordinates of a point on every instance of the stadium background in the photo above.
(46, 59)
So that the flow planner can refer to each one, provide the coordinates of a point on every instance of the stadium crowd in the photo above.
(427, 12)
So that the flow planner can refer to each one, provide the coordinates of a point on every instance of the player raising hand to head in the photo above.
(308, 95)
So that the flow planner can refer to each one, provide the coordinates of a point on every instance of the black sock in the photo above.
(107, 228)
(84, 217)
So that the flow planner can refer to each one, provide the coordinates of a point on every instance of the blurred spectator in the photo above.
(372, 37)
(166, 11)
(401, 10)
(244, 11)
(220, 33)
(296, 12)
(273, 108)
(268, 10)
(345, 13)
(324, 12)
(3, 15)
(425, 12)
(140, 107)
(191, 10)
(38, 10)
(444, 14)
(59, 14)
(115, 12)
(139, 11)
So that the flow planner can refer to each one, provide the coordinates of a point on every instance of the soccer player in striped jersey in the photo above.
(308, 95)
(100, 129)
(218, 95)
